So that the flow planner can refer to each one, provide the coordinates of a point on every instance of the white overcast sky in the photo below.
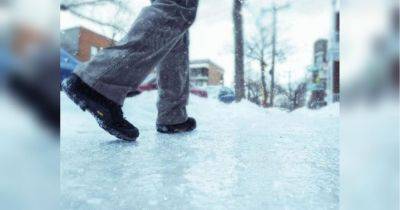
(212, 34)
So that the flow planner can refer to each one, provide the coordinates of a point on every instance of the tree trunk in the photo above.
(263, 84)
(273, 55)
(239, 50)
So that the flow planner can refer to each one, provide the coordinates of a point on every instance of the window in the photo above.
(199, 72)
(204, 72)
(94, 50)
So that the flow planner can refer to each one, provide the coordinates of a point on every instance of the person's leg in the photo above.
(117, 70)
(173, 84)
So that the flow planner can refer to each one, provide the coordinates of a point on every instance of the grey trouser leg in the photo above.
(117, 70)
(173, 84)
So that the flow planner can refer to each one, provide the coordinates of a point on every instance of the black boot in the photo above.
(108, 114)
(187, 126)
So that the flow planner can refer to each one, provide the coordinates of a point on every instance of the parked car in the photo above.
(226, 95)
(67, 64)
(199, 92)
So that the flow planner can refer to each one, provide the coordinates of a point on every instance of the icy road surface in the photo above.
(240, 157)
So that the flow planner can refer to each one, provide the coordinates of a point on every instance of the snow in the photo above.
(240, 157)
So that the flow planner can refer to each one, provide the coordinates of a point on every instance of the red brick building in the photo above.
(205, 73)
(83, 43)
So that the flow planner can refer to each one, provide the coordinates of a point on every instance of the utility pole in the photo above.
(272, 72)
(275, 9)
(239, 49)
(263, 84)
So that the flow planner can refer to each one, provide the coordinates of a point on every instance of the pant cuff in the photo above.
(116, 93)
(171, 120)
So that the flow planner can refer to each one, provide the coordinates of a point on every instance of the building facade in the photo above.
(83, 43)
(205, 73)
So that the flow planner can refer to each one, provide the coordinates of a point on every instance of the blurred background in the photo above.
(370, 104)
(29, 104)
(290, 61)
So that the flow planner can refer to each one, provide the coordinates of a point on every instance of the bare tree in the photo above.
(239, 49)
(296, 96)
(274, 9)
(253, 91)
(261, 47)
(257, 50)
(85, 10)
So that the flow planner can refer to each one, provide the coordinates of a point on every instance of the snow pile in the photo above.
(240, 157)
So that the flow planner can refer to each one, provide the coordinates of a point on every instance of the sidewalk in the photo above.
(240, 157)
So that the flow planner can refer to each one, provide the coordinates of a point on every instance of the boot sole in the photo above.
(84, 104)
(176, 131)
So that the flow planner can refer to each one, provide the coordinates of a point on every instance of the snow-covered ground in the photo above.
(240, 157)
